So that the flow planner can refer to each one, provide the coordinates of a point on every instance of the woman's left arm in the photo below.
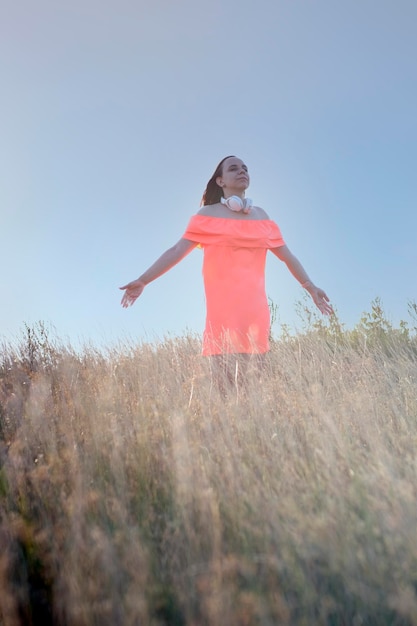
(319, 297)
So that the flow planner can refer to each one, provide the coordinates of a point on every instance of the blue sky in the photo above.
(115, 114)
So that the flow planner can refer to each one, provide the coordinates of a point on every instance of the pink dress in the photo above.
(238, 319)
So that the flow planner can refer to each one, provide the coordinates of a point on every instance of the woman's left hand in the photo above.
(320, 299)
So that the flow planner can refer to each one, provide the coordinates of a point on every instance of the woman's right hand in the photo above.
(167, 260)
(132, 291)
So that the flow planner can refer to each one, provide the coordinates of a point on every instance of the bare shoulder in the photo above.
(259, 213)
(204, 210)
(211, 210)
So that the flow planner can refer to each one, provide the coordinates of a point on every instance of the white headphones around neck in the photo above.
(234, 203)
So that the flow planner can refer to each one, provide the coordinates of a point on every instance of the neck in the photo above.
(230, 192)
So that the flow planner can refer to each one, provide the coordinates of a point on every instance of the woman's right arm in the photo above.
(166, 261)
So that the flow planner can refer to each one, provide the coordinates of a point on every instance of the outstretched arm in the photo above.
(168, 259)
(319, 297)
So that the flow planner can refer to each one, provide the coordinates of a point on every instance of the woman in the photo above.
(235, 236)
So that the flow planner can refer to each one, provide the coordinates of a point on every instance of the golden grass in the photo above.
(133, 493)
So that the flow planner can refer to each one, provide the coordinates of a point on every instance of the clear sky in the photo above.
(113, 116)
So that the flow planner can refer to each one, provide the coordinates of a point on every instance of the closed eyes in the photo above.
(235, 167)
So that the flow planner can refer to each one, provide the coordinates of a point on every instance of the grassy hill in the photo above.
(132, 492)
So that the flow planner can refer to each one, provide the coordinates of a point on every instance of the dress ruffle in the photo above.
(246, 233)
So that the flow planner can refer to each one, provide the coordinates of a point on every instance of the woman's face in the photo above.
(235, 176)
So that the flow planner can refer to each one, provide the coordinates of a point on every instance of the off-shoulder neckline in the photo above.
(233, 219)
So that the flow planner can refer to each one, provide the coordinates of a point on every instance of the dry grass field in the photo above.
(132, 492)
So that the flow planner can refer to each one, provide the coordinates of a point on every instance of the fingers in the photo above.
(327, 311)
(326, 308)
(132, 291)
(322, 302)
(128, 300)
(128, 297)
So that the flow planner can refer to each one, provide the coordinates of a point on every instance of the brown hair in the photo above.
(213, 192)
